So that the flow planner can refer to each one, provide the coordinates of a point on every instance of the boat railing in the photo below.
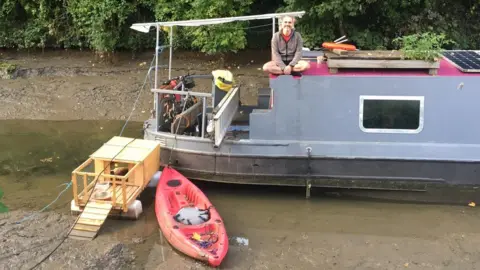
(227, 109)
(204, 97)
(184, 93)
(92, 180)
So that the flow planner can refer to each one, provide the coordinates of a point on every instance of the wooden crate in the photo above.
(140, 157)
(144, 152)
(376, 60)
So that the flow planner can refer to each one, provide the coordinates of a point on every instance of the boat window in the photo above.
(391, 114)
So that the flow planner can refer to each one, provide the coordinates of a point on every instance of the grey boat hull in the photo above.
(221, 165)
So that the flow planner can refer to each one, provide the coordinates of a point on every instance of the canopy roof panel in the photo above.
(145, 27)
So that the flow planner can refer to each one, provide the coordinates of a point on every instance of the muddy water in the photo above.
(38, 156)
(284, 231)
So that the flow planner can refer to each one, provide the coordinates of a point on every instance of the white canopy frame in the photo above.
(145, 28)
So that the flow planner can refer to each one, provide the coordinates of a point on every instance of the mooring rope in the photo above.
(138, 96)
(48, 205)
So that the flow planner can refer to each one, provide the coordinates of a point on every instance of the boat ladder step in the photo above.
(90, 221)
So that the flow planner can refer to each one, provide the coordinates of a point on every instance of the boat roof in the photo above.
(145, 27)
(446, 69)
(467, 64)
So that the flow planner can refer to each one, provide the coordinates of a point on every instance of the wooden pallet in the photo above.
(90, 221)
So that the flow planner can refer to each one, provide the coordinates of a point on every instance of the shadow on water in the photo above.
(37, 157)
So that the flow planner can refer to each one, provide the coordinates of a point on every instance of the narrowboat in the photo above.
(387, 124)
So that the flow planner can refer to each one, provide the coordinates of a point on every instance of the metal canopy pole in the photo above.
(144, 27)
(170, 57)
(273, 26)
(204, 112)
(156, 55)
(156, 95)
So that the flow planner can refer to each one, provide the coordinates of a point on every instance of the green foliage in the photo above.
(6, 70)
(211, 38)
(7, 67)
(99, 22)
(100, 25)
(219, 38)
(103, 25)
(3, 207)
(426, 46)
(373, 24)
(28, 24)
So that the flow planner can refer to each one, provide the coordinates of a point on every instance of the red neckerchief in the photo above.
(287, 38)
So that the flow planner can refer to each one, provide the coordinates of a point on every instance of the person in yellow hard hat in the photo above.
(287, 45)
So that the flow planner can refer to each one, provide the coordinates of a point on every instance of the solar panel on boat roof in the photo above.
(464, 60)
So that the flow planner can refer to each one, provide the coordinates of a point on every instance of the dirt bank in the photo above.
(66, 85)
(25, 244)
(328, 244)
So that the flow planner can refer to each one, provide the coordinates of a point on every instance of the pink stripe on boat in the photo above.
(446, 69)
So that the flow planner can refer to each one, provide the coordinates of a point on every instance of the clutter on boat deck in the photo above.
(188, 220)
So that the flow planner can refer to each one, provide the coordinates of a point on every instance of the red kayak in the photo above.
(188, 219)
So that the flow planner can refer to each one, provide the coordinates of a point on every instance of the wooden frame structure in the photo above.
(140, 158)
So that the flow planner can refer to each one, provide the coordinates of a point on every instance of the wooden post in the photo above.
(124, 196)
(114, 192)
(75, 188)
(85, 187)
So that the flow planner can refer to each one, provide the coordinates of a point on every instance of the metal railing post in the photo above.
(204, 112)
(170, 56)
(156, 95)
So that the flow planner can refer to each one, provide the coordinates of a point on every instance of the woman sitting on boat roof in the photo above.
(287, 45)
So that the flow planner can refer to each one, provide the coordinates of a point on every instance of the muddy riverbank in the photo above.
(25, 244)
(320, 234)
(70, 85)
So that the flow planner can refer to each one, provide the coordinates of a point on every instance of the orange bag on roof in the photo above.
(333, 45)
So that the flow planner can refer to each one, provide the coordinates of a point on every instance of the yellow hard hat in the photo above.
(223, 79)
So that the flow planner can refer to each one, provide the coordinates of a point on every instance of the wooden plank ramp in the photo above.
(90, 221)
